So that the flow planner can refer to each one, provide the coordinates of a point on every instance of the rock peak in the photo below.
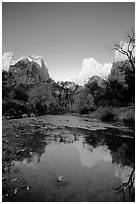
(91, 67)
(26, 69)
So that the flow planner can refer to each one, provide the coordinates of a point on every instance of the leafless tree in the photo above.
(129, 50)
(130, 185)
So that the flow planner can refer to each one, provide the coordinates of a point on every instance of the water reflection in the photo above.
(122, 172)
(121, 149)
(93, 163)
(29, 162)
(89, 156)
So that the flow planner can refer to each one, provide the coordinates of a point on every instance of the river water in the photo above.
(72, 159)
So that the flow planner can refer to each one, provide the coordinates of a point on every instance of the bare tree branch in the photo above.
(129, 50)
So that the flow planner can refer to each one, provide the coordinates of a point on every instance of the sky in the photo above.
(64, 33)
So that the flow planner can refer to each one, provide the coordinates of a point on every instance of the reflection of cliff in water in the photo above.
(121, 149)
(90, 155)
(99, 149)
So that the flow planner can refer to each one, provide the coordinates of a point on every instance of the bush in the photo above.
(41, 108)
(83, 102)
(20, 94)
(15, 108)
(129, 117)
(84, 110)
(107, 114)
(55, 108)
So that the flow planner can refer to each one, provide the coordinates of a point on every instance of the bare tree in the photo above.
(129, 49)
(127, 67)
(130, 185)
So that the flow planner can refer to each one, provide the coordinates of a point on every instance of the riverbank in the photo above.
(111, 114)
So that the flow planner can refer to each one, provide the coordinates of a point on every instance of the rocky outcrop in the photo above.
(121, 62)
(27, 69)
(119, 57)
(8, 59)
(116, 73)
(91, 67)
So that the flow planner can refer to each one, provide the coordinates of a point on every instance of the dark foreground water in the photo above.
(59, 163)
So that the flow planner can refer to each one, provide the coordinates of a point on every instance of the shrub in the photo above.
(20, 94)
(55, 108)
(41, 108)
(107, 114)
(83, 102)
(84, 110)
(129, 117)
(15, 108)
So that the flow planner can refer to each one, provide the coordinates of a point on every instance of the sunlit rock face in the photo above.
(116, 74)
(122, 172)
(91, 67)
(119, 56)
(8, 59)
(27, 69)
(119, 61)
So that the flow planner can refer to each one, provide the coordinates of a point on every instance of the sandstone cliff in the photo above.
(27, 69)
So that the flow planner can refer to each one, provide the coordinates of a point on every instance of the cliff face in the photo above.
(26, 70)
(90, 67)
(8, 59)
(116, 72)
(119, 57)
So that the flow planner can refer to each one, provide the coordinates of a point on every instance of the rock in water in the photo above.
(60, 178)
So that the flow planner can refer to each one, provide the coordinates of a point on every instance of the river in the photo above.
(68, 158)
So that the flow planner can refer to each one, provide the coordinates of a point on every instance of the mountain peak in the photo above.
(91, 67)
(27, 69)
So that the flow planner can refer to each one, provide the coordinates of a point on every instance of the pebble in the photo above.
(31, 153)
(17, 136)
(6, 141)
(15, 191)
(6, 169)
(14, 179)
(60, 178)
(20, 151)
(26, 187)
